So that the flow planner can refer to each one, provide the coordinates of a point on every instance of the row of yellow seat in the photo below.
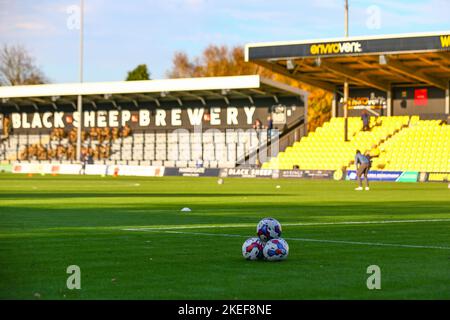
(325, 149)
(423, 146)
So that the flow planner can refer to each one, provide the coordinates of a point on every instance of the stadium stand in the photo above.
(401, 142)
(208, 122)
(405, 144)
(423, 146)
(384, 75)
(181, 148)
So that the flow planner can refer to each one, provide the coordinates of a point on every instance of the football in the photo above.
(276, 250)
(268, 228)
(252, 249)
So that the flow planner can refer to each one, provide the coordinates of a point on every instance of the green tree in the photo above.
(138, 73)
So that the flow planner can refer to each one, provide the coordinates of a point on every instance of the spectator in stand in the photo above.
(98, 139)
(50, 154)
(41, 153)
(126, 131)
(84, 161)
(257, 126)
(57, 134)
(269, 126)
(115, 134)
(83, 151)
(53, 134)
(6, 126)
(106, 134)
(73, 136)
(60, 152)
(97, 152)
(93, 134)
(32, 152)
(71, 152)
(108, 152)
(24, 154)
(365, 117)
(99, 135)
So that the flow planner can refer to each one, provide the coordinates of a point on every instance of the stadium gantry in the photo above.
(171, 123)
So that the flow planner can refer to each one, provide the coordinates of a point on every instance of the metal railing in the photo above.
(277, 143)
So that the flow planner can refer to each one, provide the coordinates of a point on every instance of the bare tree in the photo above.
(17, 67)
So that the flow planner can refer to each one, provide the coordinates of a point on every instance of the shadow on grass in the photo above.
(23, 217)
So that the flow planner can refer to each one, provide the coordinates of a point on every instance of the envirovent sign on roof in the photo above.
(350, 46)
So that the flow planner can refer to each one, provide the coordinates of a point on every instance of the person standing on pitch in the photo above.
(362, 164)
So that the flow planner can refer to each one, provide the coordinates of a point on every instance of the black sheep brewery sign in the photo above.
(169, 118)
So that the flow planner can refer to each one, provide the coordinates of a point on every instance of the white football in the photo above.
(252, 249)
(268, 228)
(276, 250)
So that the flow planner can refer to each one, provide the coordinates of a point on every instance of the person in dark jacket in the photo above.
(362, 164)
(365, 117)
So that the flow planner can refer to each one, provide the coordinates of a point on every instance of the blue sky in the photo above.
(121, 34)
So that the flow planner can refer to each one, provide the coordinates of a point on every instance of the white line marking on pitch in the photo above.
(245, 225)
(307, 240)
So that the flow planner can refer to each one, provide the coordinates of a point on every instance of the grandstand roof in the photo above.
(177, 90)
(372, 61)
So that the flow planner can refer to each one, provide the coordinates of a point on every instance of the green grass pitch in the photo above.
(131, 241)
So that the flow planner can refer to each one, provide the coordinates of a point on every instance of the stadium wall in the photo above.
(425, 101)
(428, 102)
(160, 171)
